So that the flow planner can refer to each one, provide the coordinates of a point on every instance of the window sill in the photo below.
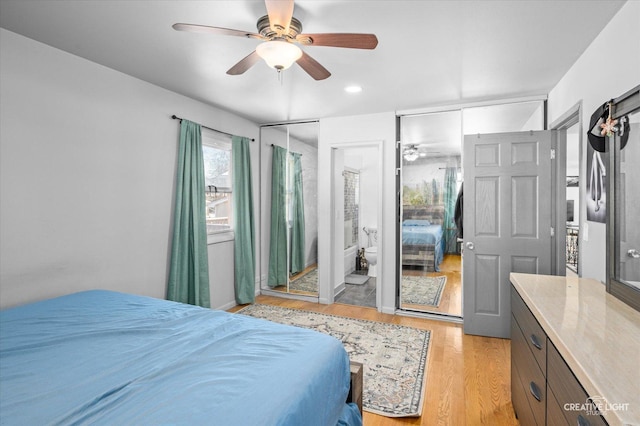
(220, 237)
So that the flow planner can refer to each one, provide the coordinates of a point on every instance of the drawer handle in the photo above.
(535, 391)
(582, 421)
(535, 342)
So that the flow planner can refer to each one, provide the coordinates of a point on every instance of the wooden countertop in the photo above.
(597, 335)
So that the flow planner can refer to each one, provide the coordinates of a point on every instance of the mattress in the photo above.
(101, 357)
(424, 233)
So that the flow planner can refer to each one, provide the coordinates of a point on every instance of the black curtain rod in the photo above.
(175, 117)
(273, 144)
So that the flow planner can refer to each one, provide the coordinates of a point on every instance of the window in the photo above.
(216, 152)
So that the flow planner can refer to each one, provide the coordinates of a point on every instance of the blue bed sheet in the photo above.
(413, 234)
(102, 357)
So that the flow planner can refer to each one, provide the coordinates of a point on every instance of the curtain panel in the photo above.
(189, 271)
(244, 228)
(297, 217)
(278, 230)
(450, 196)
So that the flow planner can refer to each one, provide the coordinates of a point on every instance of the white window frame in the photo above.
(213, 139)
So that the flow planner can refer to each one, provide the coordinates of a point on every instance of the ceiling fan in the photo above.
(281, 34)
(412, 152)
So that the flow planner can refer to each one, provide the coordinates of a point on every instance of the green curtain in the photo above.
(297, 217)
(450, 195)
(189, 271)
(245, 269)
(278, 235)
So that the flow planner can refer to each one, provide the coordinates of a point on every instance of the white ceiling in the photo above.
(429, 52)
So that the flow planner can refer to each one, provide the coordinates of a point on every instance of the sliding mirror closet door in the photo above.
(430, 261)
(289, 222)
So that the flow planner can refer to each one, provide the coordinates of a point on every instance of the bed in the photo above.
(102, 357)
(423, 244)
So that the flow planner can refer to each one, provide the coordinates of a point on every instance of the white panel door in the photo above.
(507, 222)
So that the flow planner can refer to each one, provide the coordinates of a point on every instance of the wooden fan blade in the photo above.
(192, 28)
(313, 67)
(280, 13)
(349, 40)
(246, 63)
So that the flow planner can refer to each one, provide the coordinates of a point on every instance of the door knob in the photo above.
(633, 253)
(470, 246)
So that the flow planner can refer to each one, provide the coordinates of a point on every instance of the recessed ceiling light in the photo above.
(353, 89)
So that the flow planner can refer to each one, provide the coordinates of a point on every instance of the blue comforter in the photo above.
(101, 357)
(414, 233)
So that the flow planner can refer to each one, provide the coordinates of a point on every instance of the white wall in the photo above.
(608, 68)
(87, 176)
(350, 131)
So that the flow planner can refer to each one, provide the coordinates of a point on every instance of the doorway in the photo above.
(569, 188)
(356, 189)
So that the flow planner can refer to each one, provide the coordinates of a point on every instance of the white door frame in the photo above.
(328, 294)
(571, 117)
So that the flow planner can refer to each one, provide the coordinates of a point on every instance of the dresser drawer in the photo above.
(535, 337)
(555, 413)
(519, 398)
(570, 396)
(532, 380)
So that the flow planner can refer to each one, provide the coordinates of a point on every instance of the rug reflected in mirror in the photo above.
(305, 283)
(394, 356)
(421, 290)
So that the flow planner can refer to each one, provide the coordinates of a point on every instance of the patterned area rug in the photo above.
(422, 290)
(308, 282)
(394, 356)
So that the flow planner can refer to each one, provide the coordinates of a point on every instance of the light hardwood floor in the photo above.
(468, 377)
(451, 302)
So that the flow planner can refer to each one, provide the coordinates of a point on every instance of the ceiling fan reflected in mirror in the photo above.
(281, 34)
(412, 152)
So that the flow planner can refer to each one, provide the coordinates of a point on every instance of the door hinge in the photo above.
(398, 171)
(553, 154)
(553, 232)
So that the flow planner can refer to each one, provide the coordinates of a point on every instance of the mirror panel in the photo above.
(623, 233)
(430, 182)
(289, 222)
(628, 208)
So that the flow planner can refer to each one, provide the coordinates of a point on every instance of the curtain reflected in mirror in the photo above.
(289, 209)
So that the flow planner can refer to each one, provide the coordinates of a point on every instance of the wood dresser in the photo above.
(575, 353)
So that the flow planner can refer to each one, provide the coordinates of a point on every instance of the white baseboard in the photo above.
(226, 306)
(388, 310)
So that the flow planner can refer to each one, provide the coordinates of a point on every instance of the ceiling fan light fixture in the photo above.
(411, 157)
(411, 153)
(279, 54)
